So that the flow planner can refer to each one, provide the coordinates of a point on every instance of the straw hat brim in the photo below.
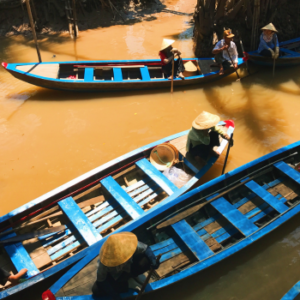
(190, 67)
(118, 249)
(205, 121)
(269, 27)
(166, 43)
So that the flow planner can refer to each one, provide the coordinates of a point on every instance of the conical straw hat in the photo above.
(270, 27)
(206, 120)
(166, 43)
(118, 248)
(190, 67)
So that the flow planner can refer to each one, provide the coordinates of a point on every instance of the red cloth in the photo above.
(162, 57)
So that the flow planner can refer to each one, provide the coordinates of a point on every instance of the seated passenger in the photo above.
(269, 45)
(121, 259)
(204, 135)
(225, 51)
(167, 54)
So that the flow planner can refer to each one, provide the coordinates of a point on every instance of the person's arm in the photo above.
(150, 255)
(265, 46)
(221, 132)
(219, 48)
(235, 56)
(176, 51)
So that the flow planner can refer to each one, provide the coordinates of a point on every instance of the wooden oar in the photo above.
(172, 74)
(237, 74)
(227, 153)
(31, 235)
(147, 279)
(274, 57)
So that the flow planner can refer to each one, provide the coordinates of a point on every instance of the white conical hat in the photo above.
(206, 120)
(270, 27)
(190, 67)
(166, 43)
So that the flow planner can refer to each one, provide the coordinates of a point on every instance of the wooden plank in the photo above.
(266, 196)
(86, 192)
(138, 184)
(110, 224)
(20, 257)
(192, 240)
(171, 265)
(122, 197)
(234, 216)
(118, 77)
(88, 74)
(145, 73)
(141, 189)
(80, 221)
(288, 171)
(156, 176)
(66, 250)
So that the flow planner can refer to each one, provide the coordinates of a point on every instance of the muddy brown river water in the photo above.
(49, 137)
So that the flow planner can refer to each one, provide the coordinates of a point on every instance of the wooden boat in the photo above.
(102, 76)
(293, 292)
(246, 204)
(291, 57)
(86, 209)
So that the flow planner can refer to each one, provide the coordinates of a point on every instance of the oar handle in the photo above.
(147, 279)
(227, 153)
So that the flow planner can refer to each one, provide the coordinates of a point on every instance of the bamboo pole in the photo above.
(33, 30)
(75, 28)
(255, 24)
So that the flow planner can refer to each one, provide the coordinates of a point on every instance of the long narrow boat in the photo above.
(246, 204)
(90, 207)
(291, 55)
(293, 293)
(102, 76)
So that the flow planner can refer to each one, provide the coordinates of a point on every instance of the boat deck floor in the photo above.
(47, 70)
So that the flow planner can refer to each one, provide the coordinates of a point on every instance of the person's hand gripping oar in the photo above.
(237, 74)
(148, 278)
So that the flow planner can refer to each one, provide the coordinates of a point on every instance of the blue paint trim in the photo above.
(19, 256)
(88, 74)
(145, 73)
(118, 74)
(266, 196)
(288, 171)
(234, 216)
(156, 176)
(80, 221)
(192, 240)
(293, 292)
(122, 197)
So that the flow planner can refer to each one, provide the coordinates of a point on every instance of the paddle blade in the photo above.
(180, 216)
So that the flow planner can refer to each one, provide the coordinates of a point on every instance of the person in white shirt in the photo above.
(224, 50)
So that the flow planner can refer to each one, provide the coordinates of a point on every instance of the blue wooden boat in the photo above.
(102, 76)
(249, 202)
(291, 55)
(293, 293)
(90, 207)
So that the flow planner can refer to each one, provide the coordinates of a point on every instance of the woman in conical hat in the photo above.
(122, 257)
(204, 135)
(167, 54)
(269, 45)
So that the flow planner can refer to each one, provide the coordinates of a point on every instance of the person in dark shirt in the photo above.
(167, 54)
(121, 258)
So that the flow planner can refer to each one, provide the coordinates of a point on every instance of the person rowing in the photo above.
(167, 55)
(122, 259)
(225, 51)
(204, 136)
(269, 45)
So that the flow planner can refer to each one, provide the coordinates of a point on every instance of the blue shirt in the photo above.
(263, 45)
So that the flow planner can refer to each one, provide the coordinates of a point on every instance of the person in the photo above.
(224, 50)
(269, 45)
(204, 135)
(167, 54)
(122, 258)
(14, 279)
